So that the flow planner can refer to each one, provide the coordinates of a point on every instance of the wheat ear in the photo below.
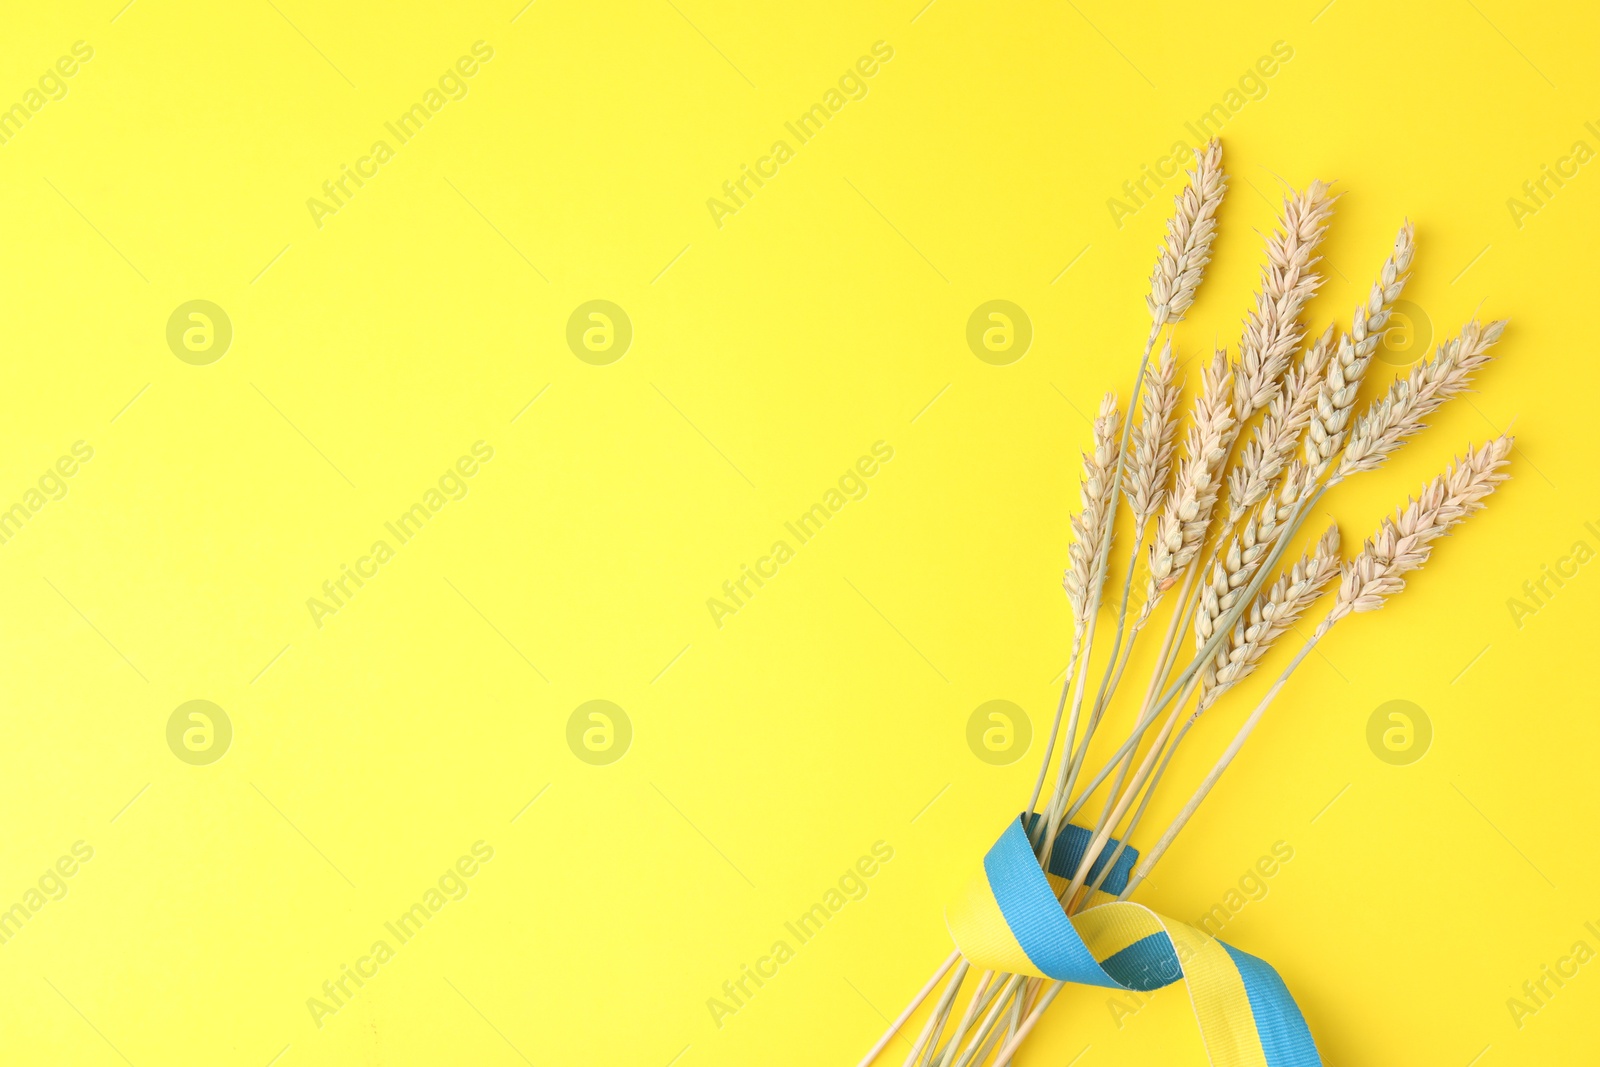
(1278, 433)
(1190, 231)
(1403, 543)
(1272, 330)
(1400, 412)
(1273, 611)
(1235, 565)
(1151, 451)
(1181, 530)
(1336, 399)
(1091, 540)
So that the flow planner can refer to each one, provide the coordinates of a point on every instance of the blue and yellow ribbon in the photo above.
(1009, 919)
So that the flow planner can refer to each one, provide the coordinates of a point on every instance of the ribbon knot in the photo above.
(1009, 919)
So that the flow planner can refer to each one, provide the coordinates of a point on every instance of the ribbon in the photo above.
(1008, 919)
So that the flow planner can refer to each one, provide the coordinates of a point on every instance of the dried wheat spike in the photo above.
(1402, 544)
(1274, 610)
(1272, 331)
(1337, 397)
(1236, 565)
(1091, 541)
(1190, 231)
(1278, 434)
(1151, 463)
(1398, 414)
(1181, 530)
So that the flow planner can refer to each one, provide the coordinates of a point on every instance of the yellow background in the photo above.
(768, 354)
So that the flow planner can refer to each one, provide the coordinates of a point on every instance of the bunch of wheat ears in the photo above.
(1269, 433)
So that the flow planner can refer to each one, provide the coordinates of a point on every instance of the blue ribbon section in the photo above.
(1035, 917)
(1072, 842)
(1285, 1038)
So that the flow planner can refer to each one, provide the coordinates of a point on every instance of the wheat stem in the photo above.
(910, 1009)
(936, 1018)
(1003, 1057)
(1273, 612)
(1150, 858)
(1000, 1003)
(1097, 843)
(1088, 557)
(973, 1007)
(1165, 660)
(1050, 745)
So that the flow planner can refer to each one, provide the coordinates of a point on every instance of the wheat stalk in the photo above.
(1237, 609)
(1180, 265)
(1272, 612)
(1174, 281)
(1272, 331)
(1087, 556)
(1148, 487)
